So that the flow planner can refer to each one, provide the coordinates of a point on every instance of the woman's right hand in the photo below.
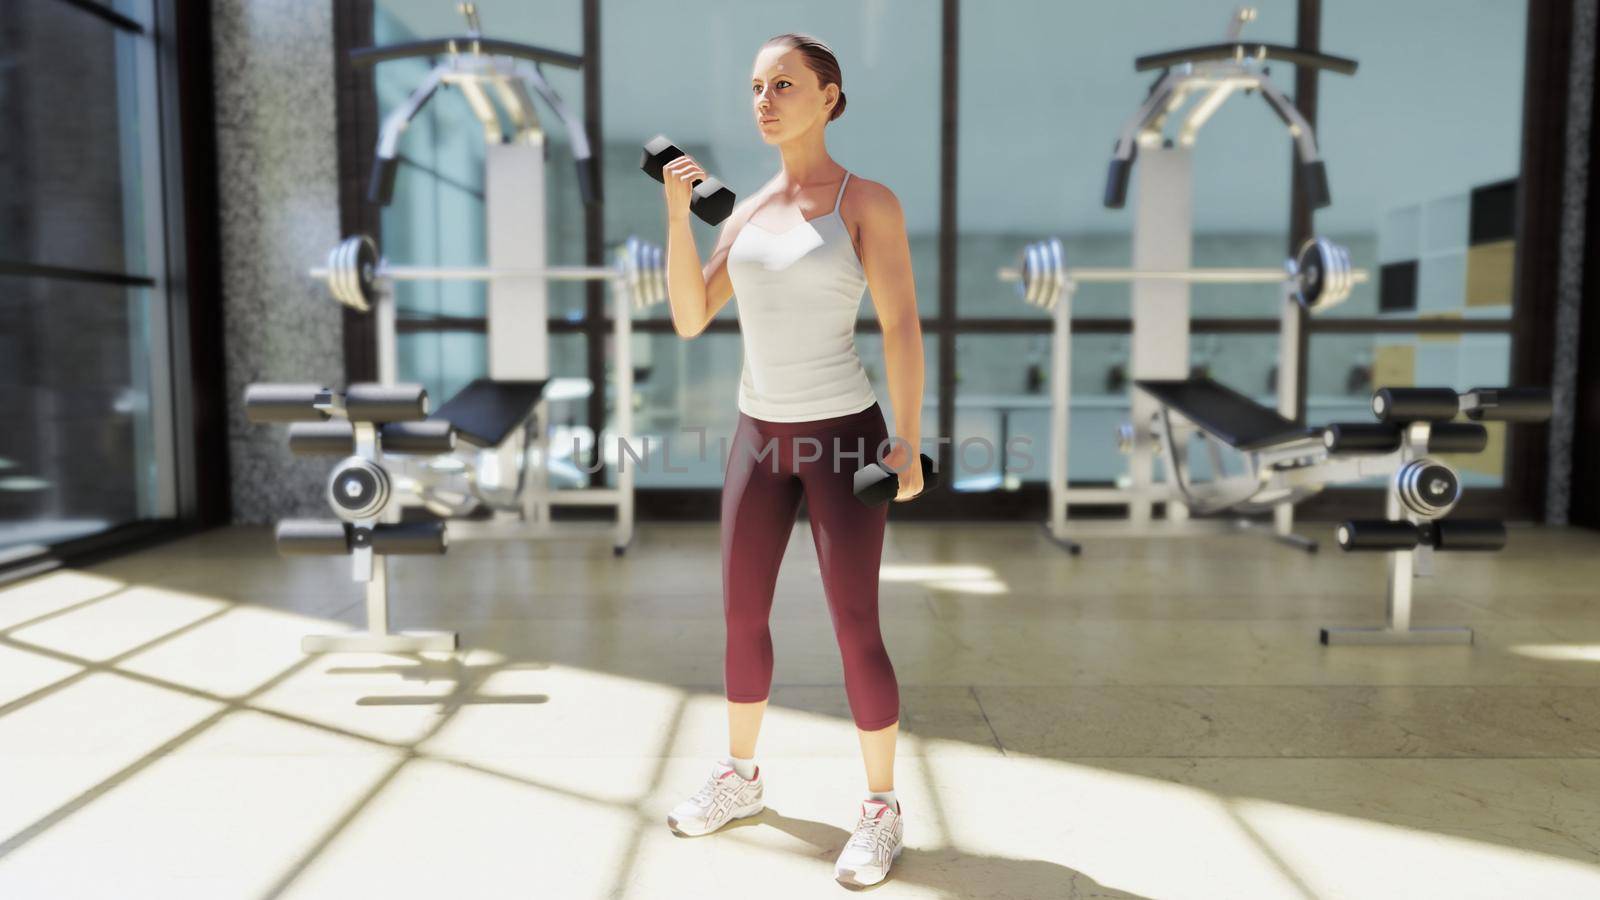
(678, 178)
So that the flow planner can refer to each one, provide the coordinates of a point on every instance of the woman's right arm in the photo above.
(695, 293)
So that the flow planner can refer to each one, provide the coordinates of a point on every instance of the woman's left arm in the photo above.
(886, 259)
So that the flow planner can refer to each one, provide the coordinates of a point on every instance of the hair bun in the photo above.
(838, 108)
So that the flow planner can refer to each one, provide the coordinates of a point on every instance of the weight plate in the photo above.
(358, 488)
(366, 274)
(1042, 267)
(1322, 270)
(353, 272)
(1056, 259)
(1428, 487)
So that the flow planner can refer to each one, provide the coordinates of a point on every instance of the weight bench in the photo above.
(1228, 419)
(499, 427)
(1286, 462)
(365, 425)
(495, 423)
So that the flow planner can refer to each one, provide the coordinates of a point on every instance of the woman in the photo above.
(798, 254)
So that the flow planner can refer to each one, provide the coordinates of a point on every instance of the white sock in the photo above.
(745, 767)
(886, 797)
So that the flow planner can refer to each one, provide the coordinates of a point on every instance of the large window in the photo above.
(1421, 147)
(1036, 127)
(83, 302)
(1429, 208)
(436, 214)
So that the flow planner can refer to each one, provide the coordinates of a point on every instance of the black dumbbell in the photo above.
(712, 200)
(876, 485)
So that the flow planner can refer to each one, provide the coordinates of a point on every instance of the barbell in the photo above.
(354, 270)
(1319, 275)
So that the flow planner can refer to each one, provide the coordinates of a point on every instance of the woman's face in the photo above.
(786, 97)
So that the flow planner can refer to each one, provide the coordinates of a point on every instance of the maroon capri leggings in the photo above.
(770, 466)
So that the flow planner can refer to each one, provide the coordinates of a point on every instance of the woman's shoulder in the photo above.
(866, 200)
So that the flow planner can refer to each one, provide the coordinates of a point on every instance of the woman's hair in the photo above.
(819, 59)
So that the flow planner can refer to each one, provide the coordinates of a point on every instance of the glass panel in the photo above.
(1002, 411)
(682, 387)
(890, 54)
(75, 186)
(75, 366)
(1345, 369)
(1429, 207)
(570, 435)
(442, 361)
(1037, 123)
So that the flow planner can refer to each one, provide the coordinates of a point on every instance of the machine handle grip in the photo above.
(1117, 183)
(380, 188)
(1314, 176)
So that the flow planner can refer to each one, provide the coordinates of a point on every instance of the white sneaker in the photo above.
(873, 848)
(724, 797)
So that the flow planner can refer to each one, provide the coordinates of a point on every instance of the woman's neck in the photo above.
(806, 162)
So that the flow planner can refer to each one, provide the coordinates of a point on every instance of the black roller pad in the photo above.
(369, 402)
(418, 437)
(1459, 535)
(336, 438)
(1378, 535)
(285, 402)
(1361, 437)
(1410, 404)
(409, 539)
(1457, 437)
(313, 537)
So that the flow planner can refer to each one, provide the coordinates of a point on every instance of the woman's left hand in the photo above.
(907, 468)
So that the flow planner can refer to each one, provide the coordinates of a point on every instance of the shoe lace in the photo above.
(866, 833)
(708, 790)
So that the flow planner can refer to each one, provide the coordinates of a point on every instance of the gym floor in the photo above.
(1155, 718)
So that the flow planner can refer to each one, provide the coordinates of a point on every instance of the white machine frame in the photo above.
(499, 88)
(1160, 278)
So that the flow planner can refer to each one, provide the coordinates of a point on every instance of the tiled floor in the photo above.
(1154, 718)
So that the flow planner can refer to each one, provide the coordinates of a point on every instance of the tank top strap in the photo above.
(840, 199)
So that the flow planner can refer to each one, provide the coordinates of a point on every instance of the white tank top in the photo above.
(799, 293)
